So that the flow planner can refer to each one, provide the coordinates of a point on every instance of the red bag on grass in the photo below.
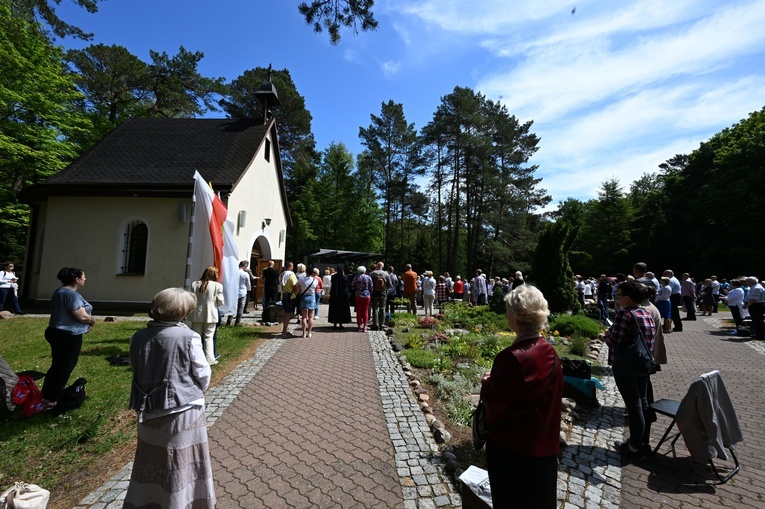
(27, 395)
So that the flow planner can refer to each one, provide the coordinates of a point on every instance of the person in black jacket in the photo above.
(339, 299)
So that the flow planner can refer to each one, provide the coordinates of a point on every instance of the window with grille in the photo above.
(134, 248)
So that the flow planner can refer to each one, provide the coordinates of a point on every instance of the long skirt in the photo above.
(339, 310)
(172, 468)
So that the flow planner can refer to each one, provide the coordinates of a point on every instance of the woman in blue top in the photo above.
(70, 318)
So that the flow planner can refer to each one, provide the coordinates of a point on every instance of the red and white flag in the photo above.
(212, 242)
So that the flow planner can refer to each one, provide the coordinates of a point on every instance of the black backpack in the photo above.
(72, 397)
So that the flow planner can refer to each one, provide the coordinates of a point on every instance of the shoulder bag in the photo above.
(634, 359)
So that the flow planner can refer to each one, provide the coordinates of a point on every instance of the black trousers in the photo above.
(270, 296)
(676, 301)
(736, 314)
(634, 391)
(521, 482)
(65, 352)
(690, 307)
(756, 311)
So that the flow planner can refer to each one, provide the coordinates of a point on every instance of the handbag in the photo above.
(24, 496)
(577, 368)
(634, 359)
(481, 431)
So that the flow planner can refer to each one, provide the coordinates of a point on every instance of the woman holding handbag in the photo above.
(522, 399)
(631, 340)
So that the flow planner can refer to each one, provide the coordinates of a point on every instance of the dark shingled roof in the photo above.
(160, 155)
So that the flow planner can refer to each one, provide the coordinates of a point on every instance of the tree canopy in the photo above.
(38, 119)
(333, 15)
(32, 11)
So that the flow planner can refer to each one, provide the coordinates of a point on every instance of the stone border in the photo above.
(424, 482)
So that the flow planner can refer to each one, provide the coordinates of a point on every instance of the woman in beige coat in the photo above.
(204, 318)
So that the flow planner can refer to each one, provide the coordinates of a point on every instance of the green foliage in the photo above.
(296, 142)
(37, 120)
(441, 364)
(404, 319)
(575, 325)
(497, 300)
(461, 347)
(424, 359)
(32, 10)
(578, 345)
(332, 16)
(416, 340)
(394, 157)
(550, 267)
(490, 346)
(455, 390)
(473, 318)
(474, 145)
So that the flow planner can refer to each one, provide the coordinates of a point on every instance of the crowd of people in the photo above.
(674, 296)
(171, 361)
(374, 294)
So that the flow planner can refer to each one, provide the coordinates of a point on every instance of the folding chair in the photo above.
(706, 391)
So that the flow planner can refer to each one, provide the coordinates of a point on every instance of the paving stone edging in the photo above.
(424, 481)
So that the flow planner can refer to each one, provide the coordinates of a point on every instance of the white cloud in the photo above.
(391, 68)
(554, 80)
(615, 89)
(480, 17)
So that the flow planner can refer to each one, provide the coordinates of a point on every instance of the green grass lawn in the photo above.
(52, 451)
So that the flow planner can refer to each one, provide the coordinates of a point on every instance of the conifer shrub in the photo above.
(575, 325)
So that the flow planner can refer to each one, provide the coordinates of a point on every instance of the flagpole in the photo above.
(187, 275)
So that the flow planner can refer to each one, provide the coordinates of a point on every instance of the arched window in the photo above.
(134, 248)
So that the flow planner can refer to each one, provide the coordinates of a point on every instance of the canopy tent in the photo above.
(336, 255)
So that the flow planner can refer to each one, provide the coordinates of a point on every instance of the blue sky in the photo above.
(614, 89)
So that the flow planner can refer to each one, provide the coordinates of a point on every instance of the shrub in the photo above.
(421, 358)
(441, 364)
(460, 413)
(578, 345)
(404, 319)
(573, 325)
(415, 341)
(497, 300)
(475, 318)
(456, 387)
